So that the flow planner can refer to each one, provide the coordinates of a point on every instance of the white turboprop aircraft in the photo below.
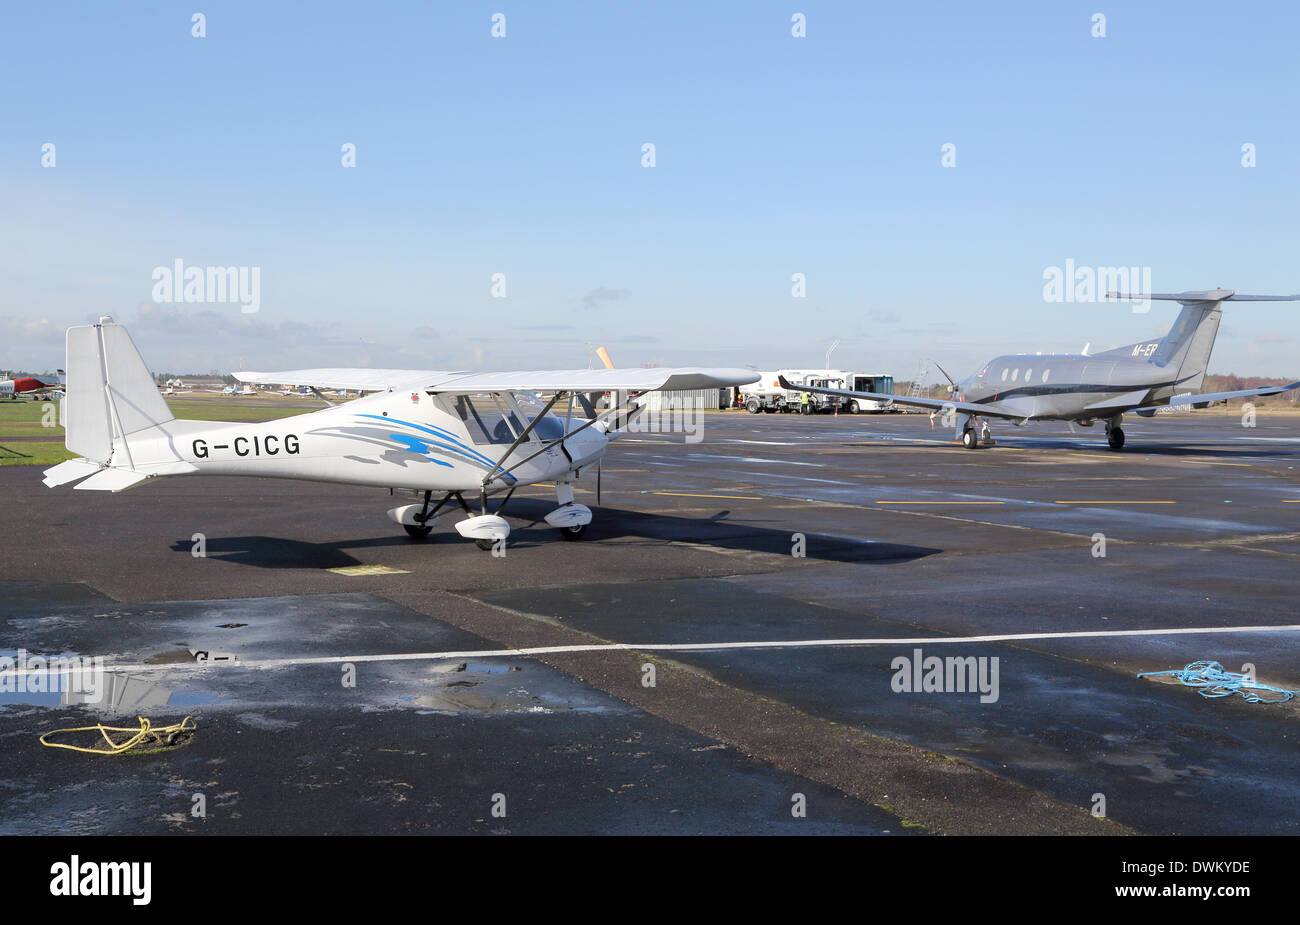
(422, 432)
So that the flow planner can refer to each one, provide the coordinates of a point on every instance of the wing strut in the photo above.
(523, 436)
(490, 477)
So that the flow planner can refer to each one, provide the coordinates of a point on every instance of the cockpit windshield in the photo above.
(499, 418)
(531, 405)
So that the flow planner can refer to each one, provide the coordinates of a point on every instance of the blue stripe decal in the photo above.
(422, 445)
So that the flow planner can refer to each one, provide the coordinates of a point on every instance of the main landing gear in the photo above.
(418, 520)
(976, 431)
(1115, 434)
(489, 531)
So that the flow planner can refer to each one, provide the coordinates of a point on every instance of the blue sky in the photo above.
(522, 155)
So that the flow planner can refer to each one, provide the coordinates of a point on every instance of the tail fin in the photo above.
(1189, 342)
(110, 394)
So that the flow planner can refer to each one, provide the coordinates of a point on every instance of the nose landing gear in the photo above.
(569, 518)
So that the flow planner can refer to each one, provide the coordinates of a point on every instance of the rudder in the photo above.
(1190, 341)
(110, 393)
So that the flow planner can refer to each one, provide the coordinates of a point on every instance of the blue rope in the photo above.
(1215, 682)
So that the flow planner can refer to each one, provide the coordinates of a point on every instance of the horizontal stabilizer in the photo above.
(169, 467)
(70, 471)
(113, 480)
(1208, 295)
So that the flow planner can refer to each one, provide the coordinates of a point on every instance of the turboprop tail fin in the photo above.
(1189, 342)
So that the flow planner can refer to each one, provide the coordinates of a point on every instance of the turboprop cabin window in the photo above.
(484, 419)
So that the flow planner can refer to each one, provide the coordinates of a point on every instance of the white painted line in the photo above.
(759, 442)
(688, 647)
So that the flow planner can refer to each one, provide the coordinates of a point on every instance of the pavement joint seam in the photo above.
(915, 783)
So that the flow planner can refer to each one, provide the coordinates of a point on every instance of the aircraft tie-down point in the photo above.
(1083, 388)
(424, 432)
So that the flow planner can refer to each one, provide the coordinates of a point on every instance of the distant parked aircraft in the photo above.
(1084, 388)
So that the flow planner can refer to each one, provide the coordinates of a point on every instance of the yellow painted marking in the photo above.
(354, 570)
(1114, 502)
(682, 494)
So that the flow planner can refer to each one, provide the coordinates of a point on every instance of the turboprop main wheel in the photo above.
(970, 438)
(573, 533)
(1116, 438)
(415, 532)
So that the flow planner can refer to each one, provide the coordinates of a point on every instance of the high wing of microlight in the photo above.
(428, 433)
(1083, 389)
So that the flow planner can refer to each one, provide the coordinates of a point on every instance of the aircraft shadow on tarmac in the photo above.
(530, 530)
(1226, 450)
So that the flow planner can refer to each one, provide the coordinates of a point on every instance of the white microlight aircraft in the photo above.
(423, 432)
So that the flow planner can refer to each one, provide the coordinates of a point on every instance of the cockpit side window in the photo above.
(485, 419)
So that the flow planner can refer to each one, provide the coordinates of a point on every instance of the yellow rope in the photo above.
(160, 737)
